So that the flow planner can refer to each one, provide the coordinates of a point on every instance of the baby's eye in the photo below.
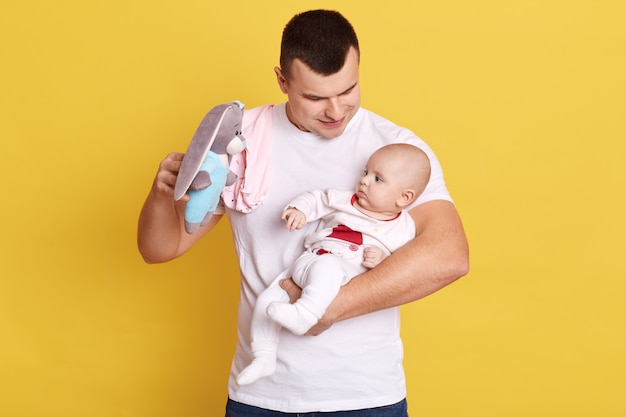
(365, 172)
(378, 179)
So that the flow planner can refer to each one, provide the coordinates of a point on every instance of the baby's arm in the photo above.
(372, 256)
(294, 218)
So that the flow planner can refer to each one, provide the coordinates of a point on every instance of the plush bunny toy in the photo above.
(205, 168)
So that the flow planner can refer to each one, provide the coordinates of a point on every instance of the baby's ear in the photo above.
(406, 198)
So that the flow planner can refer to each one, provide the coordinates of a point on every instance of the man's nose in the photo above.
(333, 111)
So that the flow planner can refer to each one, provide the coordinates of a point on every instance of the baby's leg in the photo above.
(264, 334)
(320, 277)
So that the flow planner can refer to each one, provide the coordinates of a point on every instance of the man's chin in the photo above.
(331, 133)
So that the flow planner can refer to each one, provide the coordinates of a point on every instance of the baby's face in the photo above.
(381, 185)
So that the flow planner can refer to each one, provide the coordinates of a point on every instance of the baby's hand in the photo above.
(372, 256)
(294, 219)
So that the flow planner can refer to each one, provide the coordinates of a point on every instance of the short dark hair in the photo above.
(320, 39)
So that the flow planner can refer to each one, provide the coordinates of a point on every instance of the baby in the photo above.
(358, 230)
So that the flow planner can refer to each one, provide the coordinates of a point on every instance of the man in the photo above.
(318, 139)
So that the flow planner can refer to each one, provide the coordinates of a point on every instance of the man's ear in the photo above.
(282, 81)
(406, 198)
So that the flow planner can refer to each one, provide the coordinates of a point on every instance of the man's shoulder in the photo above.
(367, 114)
(254, 113)
(368, 120)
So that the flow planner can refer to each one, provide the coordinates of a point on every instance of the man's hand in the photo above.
(292, 289)
(294, 293)
(165, 178)
(161, 234)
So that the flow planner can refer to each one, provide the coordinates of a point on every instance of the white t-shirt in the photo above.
(357, 363)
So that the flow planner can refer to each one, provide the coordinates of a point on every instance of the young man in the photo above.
(319, 138)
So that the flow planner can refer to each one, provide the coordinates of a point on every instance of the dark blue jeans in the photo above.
(235, 409)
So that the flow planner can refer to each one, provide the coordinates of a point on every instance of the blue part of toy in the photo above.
(203, 202)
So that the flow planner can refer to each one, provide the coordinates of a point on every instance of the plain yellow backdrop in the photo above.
(523, 101)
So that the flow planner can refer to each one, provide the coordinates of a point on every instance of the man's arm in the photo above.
(435, 258)
(161, 232)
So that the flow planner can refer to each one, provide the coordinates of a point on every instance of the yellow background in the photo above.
(523, 100)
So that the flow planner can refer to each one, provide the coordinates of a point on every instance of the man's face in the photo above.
(322, 104)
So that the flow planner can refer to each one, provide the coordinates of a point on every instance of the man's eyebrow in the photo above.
(349, 89)
(314, 97)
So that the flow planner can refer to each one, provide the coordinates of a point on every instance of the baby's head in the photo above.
(395, 175)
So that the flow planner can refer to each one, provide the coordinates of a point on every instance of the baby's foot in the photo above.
(263, 364)
(292, 316)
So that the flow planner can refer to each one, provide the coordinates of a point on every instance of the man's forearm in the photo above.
(435, 258)
(158, 229)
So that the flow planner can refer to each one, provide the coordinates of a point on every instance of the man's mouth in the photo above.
(333, 123)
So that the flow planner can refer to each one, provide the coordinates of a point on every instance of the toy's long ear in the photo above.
(198, 148)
